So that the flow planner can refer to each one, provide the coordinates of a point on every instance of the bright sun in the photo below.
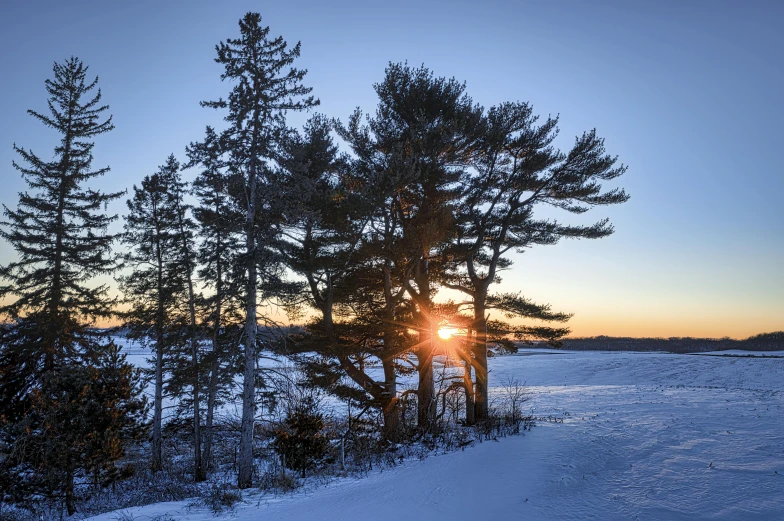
(446, 332)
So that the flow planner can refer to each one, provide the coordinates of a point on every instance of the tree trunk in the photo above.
(211, 392)
(390, 404)
(57, 289)
(245, 464)
(198, 466)
(157, 438)
(426, 395)
(216, 350)
(481, 408)
(156, 441)
(70, 505)
(468, 384)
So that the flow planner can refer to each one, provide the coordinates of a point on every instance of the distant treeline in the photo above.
(763, 342)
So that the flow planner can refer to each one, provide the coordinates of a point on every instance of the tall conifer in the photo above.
(219, 219)
(420, 143)
(516, 170)
(48, 350)
(267, 86)
(154, 285)
(59, 228)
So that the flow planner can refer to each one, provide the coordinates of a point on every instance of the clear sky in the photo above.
(687, 93)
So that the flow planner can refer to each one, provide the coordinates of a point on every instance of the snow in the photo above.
(638, 436)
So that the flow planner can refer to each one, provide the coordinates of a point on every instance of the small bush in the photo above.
(299, 440)
(221, 497)
(277, 481)
(162, 517)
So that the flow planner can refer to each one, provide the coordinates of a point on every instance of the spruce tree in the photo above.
(184, 263)
(219, 221)
(77, 422)
(59, 231)
(154, 285)
(267, 86)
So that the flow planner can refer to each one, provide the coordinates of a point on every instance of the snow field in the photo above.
(638, 436)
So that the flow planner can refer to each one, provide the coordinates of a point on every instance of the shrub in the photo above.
(299, 440)
(220, 497)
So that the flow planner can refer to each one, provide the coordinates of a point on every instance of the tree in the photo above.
(266, 87)
(515, 170)
(155, 285)
(184, 262)
(323, 243)
(418, 144)
(299, 439)
(219, 219)
(59, 231)
(77, 423)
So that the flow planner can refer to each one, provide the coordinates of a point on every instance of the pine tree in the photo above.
(266, 87)
(59, 231)
(420, 141)
(323, 243)
(516, 169)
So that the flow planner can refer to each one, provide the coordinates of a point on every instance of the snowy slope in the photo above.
(644, 436)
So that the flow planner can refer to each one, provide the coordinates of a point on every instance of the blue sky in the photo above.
(686, 93)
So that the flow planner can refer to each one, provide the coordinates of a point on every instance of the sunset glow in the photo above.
(446, 332)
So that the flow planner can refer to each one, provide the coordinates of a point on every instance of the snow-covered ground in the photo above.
(644, 436)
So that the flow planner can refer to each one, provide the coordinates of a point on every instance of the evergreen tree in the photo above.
(187, 372)
(77, 422)
(323, 243)
(155, 285)
(420, 141)
(300, 439)
(59, 233)
(219, 219)
(48, 349)
(516, 169)
(267, 86)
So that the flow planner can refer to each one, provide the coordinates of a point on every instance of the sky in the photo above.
(686, 93)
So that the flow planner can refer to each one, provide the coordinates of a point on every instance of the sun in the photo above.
(445, 333)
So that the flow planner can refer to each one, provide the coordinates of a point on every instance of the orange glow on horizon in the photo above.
(446, 332)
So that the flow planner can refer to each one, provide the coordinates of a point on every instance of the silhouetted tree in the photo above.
(59, 233)
(219, 218)
(154, 286)
(419, 142)
(516, 169)
(266, 87)
(186, 373)
(323, 243)
(47, 348)
(300, 439)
